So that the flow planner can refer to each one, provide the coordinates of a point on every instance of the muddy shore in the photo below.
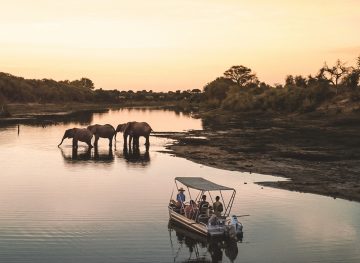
(319, 154)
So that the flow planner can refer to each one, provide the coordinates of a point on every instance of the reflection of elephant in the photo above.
(83, 135)
(85, 156)
(134, 156)
(103, 156)
(75, 156)
(135, 130)
(103, 131)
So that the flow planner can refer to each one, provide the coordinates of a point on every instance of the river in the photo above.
(111, 206)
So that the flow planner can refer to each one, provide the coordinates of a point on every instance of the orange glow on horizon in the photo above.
(169, 45)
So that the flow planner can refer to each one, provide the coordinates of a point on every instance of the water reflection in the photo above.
(135, 156)
(86, 154)
(74, 155)
(200, 249)
(56, 206)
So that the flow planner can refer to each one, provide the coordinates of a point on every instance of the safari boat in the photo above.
(204, 220)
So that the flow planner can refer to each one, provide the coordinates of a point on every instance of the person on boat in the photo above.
(213, 220)
(180, 197)
(191, 210)
(203, 205)
(218, 207)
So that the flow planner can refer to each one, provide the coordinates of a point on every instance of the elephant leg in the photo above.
(125, 140)
(130, 139)
(96, 153)
(137, 142)
(74, 153)
(134, 142)
(110, 141)
(96, 140)
(147, 143)
(89, 143)
(75, 143)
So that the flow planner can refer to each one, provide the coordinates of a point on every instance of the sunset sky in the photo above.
(172, 44)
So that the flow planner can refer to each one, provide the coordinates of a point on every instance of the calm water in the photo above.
(112, 207)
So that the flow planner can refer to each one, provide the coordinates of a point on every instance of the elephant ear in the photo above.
(129, 126)
(120, 127)
(123, 127)
(69, 133)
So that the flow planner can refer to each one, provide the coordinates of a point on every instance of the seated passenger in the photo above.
(213, 220)
(191, 210)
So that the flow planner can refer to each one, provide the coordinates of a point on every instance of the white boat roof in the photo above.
(202, 184)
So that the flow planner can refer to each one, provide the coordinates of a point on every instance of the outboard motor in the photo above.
(238, 226)
(234, 228)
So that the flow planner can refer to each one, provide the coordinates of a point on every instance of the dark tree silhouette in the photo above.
(241, 75)
(289, 81)
(300, 81)
(335, 73)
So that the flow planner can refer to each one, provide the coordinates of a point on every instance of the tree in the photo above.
(87, 83)
(218, 88)
(195, 91)
(351, 80)
(300, 81)
(334, 74)
(289, 81)
(83, 83)
(241, 75)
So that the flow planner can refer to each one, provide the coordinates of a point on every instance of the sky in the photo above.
(174, 44)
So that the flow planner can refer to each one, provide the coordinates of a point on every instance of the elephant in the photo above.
(135, 130)
(78, 134)
(102, 131)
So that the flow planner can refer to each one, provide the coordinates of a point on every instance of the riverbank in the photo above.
(37, 113)
(45, 114)
(319, 154)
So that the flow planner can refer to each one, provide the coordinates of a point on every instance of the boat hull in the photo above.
(188, 223)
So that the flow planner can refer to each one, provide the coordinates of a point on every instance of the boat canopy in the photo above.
(201, 184)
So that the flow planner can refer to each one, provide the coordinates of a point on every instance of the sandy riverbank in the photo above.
(320, 155)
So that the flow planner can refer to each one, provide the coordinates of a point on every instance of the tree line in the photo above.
(15, 89)
(239, 89)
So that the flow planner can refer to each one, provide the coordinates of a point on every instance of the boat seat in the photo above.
(205, 210)
(202, 218)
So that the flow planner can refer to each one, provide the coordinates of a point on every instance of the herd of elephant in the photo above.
(133, 130)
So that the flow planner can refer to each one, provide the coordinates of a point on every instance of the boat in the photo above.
(203, 220)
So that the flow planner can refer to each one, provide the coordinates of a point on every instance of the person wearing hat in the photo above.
(180, 197)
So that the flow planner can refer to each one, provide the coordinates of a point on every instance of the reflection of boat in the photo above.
(201, 249)
(203, 221)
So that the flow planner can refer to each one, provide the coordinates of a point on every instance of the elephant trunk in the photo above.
(62, 141)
